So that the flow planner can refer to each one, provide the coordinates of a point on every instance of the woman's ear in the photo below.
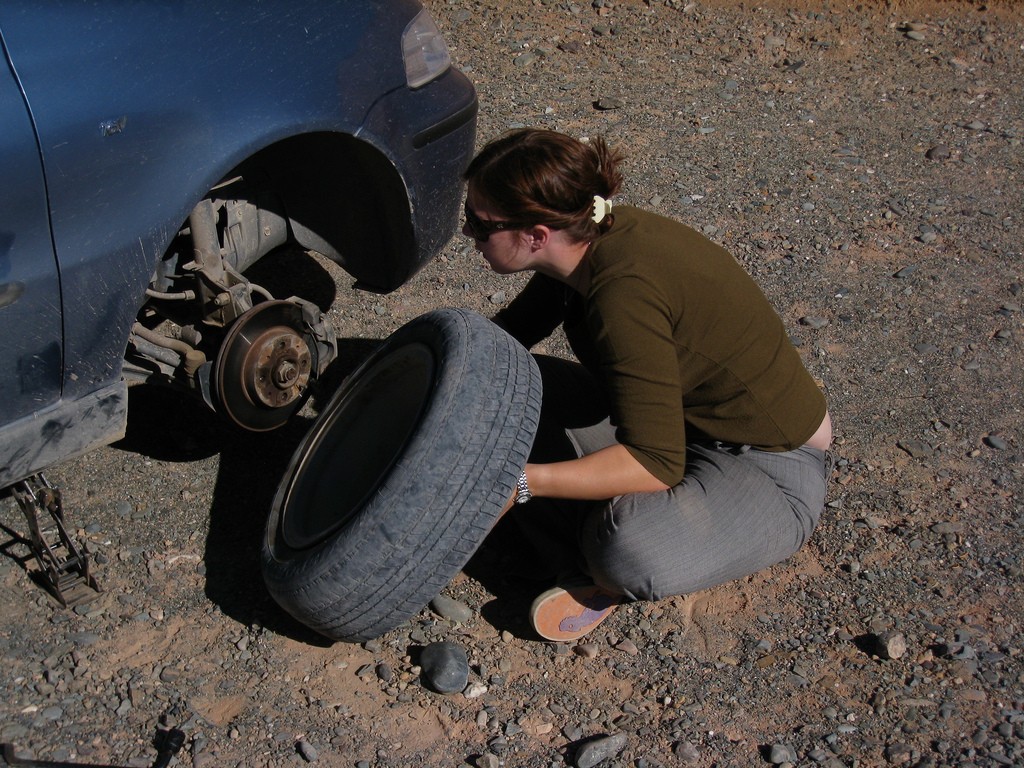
(539, 235)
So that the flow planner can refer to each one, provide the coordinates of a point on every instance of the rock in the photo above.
(916, 448)
(445, 668)
(573, 732)
(600, 749)
(814, 323)
(308, 751)
(451, 609)
(994, 441)
(782, 753)
(627, 646)
(686, 752)
(526, 59)
(888, 645)
(586, 650)
(606, 103)
(898, 753)
(474, 690)
(906, 271)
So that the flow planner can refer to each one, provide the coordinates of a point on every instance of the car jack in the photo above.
(63, 564)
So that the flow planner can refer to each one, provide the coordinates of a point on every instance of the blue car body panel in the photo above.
(30, 315)
(140, 108)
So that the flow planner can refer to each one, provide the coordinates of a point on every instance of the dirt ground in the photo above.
(864, 163)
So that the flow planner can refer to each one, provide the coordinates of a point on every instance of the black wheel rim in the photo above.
(356, 442)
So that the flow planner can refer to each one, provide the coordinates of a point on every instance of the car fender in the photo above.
(125, 163)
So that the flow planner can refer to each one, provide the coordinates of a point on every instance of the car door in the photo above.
(30, 302)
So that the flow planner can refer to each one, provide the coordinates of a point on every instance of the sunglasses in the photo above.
(482, 229)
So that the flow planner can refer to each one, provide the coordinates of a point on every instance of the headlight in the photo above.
(424, 51)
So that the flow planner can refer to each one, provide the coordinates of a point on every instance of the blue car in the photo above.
(151, 152)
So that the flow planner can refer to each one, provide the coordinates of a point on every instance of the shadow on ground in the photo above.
(166, 426)
(510, 568)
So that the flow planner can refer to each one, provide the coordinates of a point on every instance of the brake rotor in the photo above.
(264, 367)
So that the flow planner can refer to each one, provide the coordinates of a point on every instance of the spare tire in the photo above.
(402, 475)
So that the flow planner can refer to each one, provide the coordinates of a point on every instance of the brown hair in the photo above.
(543, 177)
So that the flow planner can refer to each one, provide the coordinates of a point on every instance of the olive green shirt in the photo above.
(684, 343)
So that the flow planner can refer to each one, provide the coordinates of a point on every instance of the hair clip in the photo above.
(602, 208)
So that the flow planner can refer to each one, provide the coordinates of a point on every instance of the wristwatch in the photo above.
(523, 494)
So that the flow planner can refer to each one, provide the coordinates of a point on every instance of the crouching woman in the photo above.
(688, 446)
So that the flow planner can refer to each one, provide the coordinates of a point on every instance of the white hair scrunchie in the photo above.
(602, 208)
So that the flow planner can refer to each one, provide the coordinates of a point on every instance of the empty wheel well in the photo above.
(345, 199)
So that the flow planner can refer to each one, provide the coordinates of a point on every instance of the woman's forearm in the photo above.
(612, 471)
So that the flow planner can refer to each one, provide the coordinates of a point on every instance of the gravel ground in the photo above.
(865, 165)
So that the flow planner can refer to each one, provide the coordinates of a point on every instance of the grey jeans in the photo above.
(737, 510)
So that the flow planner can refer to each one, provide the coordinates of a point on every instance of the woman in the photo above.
(688, 446)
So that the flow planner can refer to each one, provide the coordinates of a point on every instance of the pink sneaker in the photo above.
(570, 612)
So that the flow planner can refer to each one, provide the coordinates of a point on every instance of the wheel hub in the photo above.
(264, 367)
(276, 368)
